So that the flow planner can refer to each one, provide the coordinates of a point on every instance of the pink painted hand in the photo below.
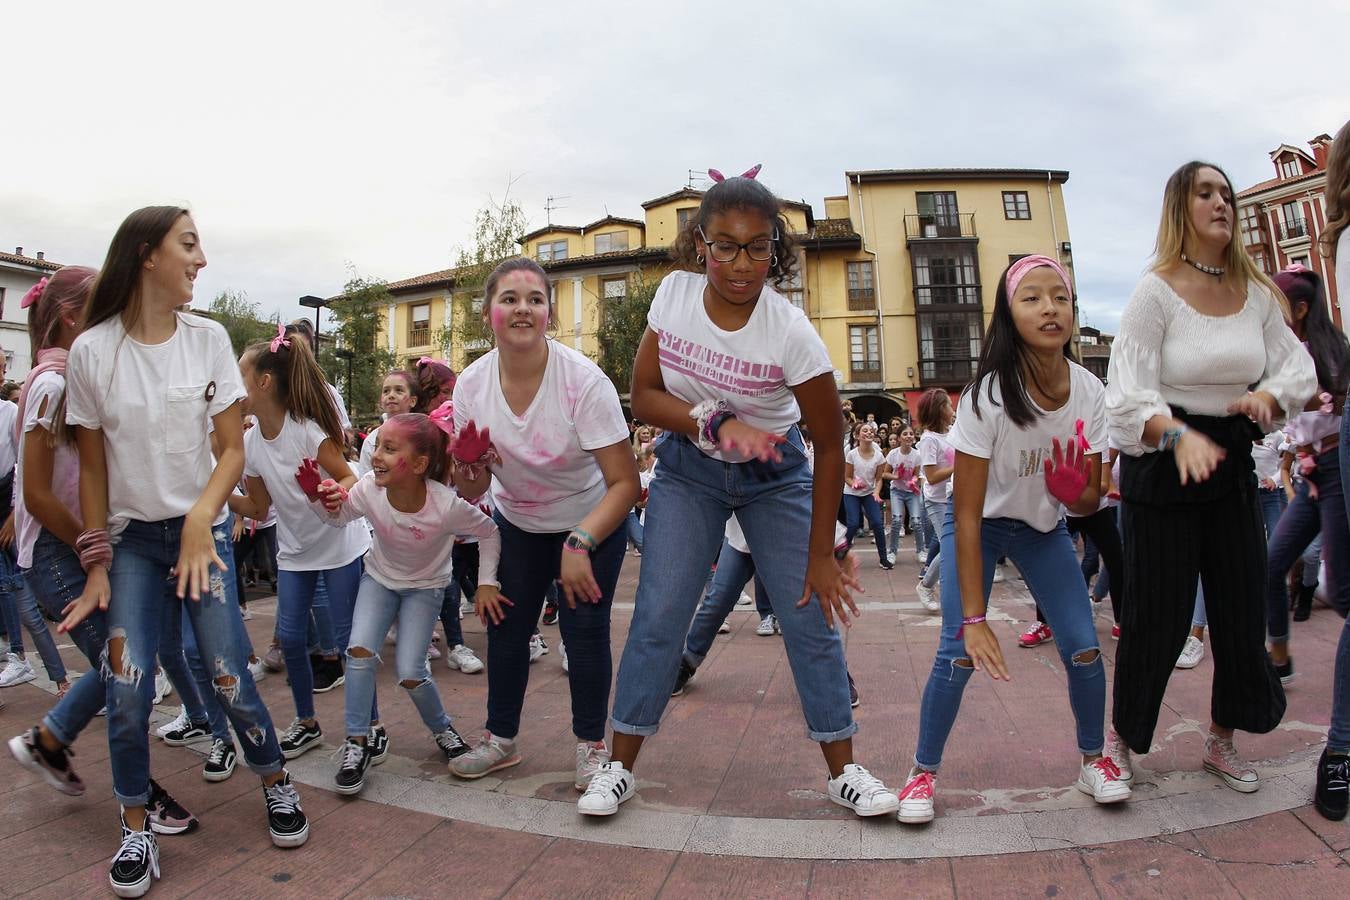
(308, 476)
(1066, 476)
(471, 445)
(332, 495)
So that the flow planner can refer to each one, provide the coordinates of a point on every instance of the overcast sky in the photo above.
(313, 139)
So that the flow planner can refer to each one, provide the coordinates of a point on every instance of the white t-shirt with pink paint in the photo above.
(548, 480)
(904, 466)
(753, 369)
(864, 468)
(411, 551)
(936, 450)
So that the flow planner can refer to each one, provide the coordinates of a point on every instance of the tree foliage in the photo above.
(241, 319)
(356, 325)
(622, 324)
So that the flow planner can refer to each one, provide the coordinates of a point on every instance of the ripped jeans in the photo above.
(1050, 567)
(143, 608)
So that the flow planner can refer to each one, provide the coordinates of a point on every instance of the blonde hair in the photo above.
(1337, 192)
(1175, 230)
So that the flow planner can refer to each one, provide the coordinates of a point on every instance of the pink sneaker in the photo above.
(1221, 759)
(916, 800)
(1037, 634)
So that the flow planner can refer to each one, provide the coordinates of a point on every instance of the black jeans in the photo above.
(1100, 529)
(528, 566)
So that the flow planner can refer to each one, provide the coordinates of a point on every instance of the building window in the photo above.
(552, 251)
(1292, 214)
(419, 325)
(682, 216)
(946, 275)
(949, 346)
(792, 289)
(1299, 261)
(611, 241)
(861, 292)
(1290, 168)
(938, 216)
(614, 289)
(1259, 258)
(1251, 226)
(1016, 205)
(864, 353)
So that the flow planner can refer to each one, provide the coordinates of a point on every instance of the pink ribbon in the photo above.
(1024, 265)
(280, 340)
(426, 360)
(34, 293)
(443, 417)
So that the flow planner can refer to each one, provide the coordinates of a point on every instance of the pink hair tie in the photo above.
(1018, 270)
(34, 293)
(1297, 269)
(425, 361)
(280, 340)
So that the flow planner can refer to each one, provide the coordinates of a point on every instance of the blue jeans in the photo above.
(1272, 503)
(143, 609)
(295, 600)
(26, 606)
(900, 502)
(734, 571)
(378, 607)
(1298, 527)
(937, 515)
(199, 696)
(529, 564)
(688, 503)
(57, 580)
(854, 509)
(1050, 568)
(633, 526)
(463, 583)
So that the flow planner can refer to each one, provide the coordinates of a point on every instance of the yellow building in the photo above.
(898, 278)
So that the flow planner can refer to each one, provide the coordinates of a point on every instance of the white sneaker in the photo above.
(857, 789)
(176, 725)
(562, 651)
(724, 628)
(767, 626)
(611, 785)
(537, 647)
(591, 757)
(465, 607)
(928, 598)
(922, 557)
(916, 800)
(745, 599)
(1191, 653)
(1120, 755)
(256, 669)
(1101, 780)
(890, 558)
(18, 670)
(998, 574)
(163, 687)
(433, 652)
(462, 658)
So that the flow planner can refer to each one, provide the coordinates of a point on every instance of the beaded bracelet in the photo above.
(972, 620)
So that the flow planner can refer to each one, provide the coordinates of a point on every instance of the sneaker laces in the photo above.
(1338, 771)
(1222, 750)
(863, 781)
(450, 741)
(217, 755)
(919, 787)
(282, 798)
(349, 755)
(136, 847)
(1107, 766)
(294, 731)
(605, 779)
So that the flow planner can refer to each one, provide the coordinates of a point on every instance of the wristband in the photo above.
(1171, 437)
(702, 413)
(581, 551)
(94, 548)
(575, 544)
(968, 620)
(587, 536)
(715, 423)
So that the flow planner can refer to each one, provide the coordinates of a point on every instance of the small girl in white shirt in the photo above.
(413, 519)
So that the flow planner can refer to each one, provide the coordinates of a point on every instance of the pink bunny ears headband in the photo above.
(34, 293)
(1018, 270)
(748, 173)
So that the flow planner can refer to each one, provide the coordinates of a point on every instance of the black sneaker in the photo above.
(298, 738)
(54, 768)
(353, 760)
(192, 731)
(1285, 670)
(286, 821)
(165, 815)
(219, 762)
(1333, 785)
(550, 614)
(328, 673)
(686, 675)
(451, 744)
(135, 865)
(853, 698)
(378, 742)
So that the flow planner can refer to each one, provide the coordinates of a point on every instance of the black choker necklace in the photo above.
(1216, 271)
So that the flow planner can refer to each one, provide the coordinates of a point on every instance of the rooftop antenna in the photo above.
(552, 203)
(700, 176)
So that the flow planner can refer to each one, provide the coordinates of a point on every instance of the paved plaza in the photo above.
(731, 795)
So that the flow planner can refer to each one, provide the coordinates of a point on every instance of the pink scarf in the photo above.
(53, 359)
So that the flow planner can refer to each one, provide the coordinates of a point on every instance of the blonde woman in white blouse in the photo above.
(1202, 326)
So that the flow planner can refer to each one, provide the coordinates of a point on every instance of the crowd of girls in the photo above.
(518, 486)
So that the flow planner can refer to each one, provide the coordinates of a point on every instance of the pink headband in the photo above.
(280, 340)
(748, 173)
(34, 293)
(1024, 265)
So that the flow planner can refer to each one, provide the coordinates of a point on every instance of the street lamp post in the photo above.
(317, 304)
(344, 353)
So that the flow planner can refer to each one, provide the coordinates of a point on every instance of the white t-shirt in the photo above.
(412, 550)
(343, 419)
(904, 465)
(753, 368)
(153, 403)
(936, 450)
(304, 544)
(864, 468)
(1016, 486)
(43, 396)
(548, 480)
(9, 447)
(367, 451)
(1266, 458)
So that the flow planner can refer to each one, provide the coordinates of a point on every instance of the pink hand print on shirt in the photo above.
(950, 457)
(417, 532)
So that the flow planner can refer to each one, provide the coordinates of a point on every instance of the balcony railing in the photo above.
(1292, 229)
(867, 371)
(419, 337)
(862, 299)
(939, 226)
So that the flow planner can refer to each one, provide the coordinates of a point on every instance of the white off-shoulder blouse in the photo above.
(1168, 354)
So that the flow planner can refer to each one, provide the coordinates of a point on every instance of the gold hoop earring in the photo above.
(699, 258)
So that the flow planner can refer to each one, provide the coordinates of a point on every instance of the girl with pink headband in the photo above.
(1028, 437)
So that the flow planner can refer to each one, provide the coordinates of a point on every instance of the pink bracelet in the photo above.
(94, 548)
(577, 550)
(972, 620)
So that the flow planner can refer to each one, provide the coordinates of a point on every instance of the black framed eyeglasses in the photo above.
(760, 249)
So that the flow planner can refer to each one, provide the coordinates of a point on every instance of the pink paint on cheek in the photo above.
(498, 315)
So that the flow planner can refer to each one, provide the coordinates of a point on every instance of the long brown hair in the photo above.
(1337, 193)
(66, 294)
(117, 288)
(301, 387)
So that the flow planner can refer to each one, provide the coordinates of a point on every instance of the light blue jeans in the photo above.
(1050, 568)
(416, 611)
(902, 501)
(57, 580)
(144, 607)
(937, 515)
(734, 571)
(688, 504)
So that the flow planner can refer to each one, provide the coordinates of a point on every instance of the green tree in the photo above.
(241, 319)
(356, 316)
(622, 324)
(496, 236)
